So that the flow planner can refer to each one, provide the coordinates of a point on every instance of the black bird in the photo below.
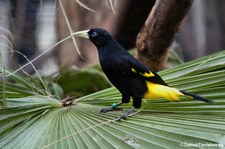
(128, 75)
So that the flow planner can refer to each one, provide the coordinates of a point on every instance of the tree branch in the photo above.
(159, 30)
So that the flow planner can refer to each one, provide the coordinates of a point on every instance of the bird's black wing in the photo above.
(131, 67)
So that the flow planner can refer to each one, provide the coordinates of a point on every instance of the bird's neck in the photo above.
(109, 50)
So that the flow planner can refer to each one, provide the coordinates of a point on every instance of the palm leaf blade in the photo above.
(41, 121)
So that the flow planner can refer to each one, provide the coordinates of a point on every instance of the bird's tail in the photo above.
(197, 97)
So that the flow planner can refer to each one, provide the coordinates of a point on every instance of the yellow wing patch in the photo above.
(145, 74)
(133, 70)
(161, 91)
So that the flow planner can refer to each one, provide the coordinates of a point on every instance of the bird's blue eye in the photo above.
(94, 34)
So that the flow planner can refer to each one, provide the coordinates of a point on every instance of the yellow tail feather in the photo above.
(161, 91)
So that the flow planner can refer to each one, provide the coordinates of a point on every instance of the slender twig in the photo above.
(70, 28)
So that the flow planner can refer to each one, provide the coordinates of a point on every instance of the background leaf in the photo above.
(79, 82)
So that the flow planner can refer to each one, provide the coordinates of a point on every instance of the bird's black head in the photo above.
(99, 37)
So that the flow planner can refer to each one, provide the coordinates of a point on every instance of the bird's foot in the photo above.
(126, 114)
(112, 108)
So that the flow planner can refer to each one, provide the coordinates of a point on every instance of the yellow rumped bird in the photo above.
(128, 75)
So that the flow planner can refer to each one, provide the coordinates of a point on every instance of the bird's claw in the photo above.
(125, 115)
(109, 109)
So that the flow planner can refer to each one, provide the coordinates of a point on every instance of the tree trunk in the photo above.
(159, 30)
(129, 20)
(23, 27)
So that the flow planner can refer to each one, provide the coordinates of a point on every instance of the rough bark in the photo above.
(159, 30)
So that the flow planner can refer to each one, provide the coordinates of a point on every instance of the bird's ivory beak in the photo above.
(83, 34)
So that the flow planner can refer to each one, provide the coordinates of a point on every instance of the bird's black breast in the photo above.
(131, 86)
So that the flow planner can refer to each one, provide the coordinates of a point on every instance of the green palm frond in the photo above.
(16, 86)
(41, 121)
